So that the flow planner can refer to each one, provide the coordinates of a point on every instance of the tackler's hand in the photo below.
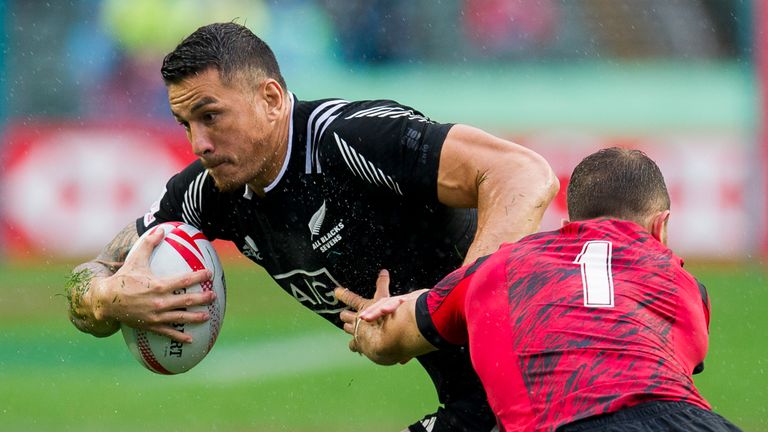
(383, 328)
(357, 304)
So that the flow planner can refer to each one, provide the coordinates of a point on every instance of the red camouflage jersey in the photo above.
(568, 324)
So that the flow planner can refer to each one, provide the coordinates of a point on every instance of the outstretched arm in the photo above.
(109, 290)
(389, 338)
(510, 185)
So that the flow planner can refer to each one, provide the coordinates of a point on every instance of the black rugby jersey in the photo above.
(357, 193)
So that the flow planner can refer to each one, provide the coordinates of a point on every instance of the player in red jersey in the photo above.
(595, 326)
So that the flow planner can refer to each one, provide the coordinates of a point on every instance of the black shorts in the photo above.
(465, 405)
(655, 416)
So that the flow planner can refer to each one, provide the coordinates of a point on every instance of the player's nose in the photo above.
(201, 144)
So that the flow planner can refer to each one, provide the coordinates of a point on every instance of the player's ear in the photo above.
(273, 96)
(659, 226)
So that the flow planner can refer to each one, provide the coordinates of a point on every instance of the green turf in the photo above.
(277, 367)
(735, 380)
(54, 378)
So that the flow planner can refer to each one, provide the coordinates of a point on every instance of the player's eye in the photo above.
(209, 117)
(185, 125)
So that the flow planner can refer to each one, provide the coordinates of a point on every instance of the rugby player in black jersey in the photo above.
(307, 190)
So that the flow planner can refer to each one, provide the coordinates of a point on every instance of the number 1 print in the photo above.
(596, 277)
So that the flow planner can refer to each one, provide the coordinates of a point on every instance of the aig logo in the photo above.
(250, 249)
(314, 289)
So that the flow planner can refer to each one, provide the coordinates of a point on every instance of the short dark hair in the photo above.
(228, 47)
(616, 182)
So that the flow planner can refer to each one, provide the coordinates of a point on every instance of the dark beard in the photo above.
(226, 186)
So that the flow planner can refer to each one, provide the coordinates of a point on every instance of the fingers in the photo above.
(186, 300)
(144, 250)
(382, 285)
(381, 308)
(171, 333)
(172, 294)
(357, 302)
(388, 305)
(183, 317)
(168, 324)
(349, 328)
(349, 298)
(348, 318)
(384, 306)
(187, 280)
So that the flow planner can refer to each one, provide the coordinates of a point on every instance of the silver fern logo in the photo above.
(317, 221)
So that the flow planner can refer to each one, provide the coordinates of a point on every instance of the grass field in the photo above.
(277, 367)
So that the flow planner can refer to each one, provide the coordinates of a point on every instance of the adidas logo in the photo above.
(429, 423)
(250, 250)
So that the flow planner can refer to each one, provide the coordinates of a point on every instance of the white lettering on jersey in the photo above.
(596, 276)
(329, 239)
(363, 168)
(250, 249)
(313, 289)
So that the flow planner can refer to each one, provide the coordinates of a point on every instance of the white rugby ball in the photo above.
(183, 250)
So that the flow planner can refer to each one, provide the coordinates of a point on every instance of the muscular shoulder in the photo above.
(190, 173)
(192, 180)
(376, 118)
(382, 108)
(189, 196)
(358, 119)
(381, 143)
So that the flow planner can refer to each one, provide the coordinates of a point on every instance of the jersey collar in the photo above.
(248, 193)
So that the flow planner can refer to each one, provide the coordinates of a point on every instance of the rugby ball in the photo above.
(183, 249)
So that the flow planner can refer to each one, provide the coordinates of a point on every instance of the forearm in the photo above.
(85, 288)
(509, 185)
(85, 305)
(511, 201)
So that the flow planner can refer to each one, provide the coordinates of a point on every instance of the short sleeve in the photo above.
(182, 199)
(440, 312)
(387, 145)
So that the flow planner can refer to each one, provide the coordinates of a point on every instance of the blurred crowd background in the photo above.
(88, 141)
(100, 59)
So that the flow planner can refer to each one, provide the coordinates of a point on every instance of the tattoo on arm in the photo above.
(106, 264)
(113, 255)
